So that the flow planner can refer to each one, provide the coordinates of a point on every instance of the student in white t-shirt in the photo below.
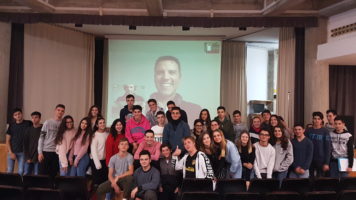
(158, 129)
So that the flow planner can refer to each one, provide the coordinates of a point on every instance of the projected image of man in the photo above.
(167, 79)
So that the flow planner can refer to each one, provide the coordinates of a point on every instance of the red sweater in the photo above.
(111, 146)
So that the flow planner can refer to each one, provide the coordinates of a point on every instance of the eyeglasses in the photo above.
(267, 135)
(198, 125)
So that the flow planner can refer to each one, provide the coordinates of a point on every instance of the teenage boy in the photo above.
(136, 127)
(120, 173)
(320, 137)
(330, 116)
(152, 113)
(266, 115)
(126, 111)
(169, 185)
(175, 131)
(342, 147)
(237, 123)
(302, 148)
(146, 179)
(158, 129)
(31, 144)
(225, 123)
(14, 141)
(265, 156)
(47, 156)
(170, 105)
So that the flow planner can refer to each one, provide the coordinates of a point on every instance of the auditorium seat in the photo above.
(325, 184)
(200, 196)
(300, 185)
(321, 195)
(38, 181)
(242, 196)
(231, 185)
(43, 194)
(348, 183)
(197, 184)
(283, 195)
(347, 195)
(264, 185)
(11, 192)
(74, 188)
(11, 179)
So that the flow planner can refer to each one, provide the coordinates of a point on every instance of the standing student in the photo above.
(205, 117)
(158, 129)
(117, 132)
(276, 120)
(30, 143)
(170, 105)
(302, 148)
(247, 154)
(136, 127)
(120, 173)
(238, 125)
(266, 115)
(175, 131)
(330, 116)
(169, 185)
(342, 147)
(150, 145)
(65, 135)
(93, 114)
(284, 154)
(214, 125)
(146, 179)
(195, 164)
(231, 154)
(47, 156)
(215, 155)
(265, 156)
(78, 156)
(152, 112)
(14, 141)
(225, 123)
(255, 129)
(97, 152)
(198, 129)
(126, 112)
(320, 137)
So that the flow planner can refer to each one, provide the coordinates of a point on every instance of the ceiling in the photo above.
(186, 8)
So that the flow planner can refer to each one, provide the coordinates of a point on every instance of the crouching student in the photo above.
(195, 164)
(342, 147)
(169, 180)
(146, 179)
(120, 173)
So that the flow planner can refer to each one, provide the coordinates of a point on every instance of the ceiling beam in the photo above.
(337, 8)
(154, 7)
(279, 7)
(37, 5)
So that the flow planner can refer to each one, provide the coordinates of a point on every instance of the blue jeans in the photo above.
(62, 172)
(334, 170)
(20, 157)
(81, 169)
(295, 175)
(31, 168)
(280, 176)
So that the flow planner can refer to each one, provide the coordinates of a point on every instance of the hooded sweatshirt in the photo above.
(342, 146)
(135, 131)
(174, 132)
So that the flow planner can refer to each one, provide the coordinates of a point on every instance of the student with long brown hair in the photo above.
(205, 117)
(247, 154)
(78, 156)
(93, 114)
(64, 143)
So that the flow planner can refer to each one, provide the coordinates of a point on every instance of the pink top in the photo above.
(65, 146)
(154, 150)
(78, 149)
(135, 131)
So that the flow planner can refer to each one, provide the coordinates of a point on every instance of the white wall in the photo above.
(256, 73)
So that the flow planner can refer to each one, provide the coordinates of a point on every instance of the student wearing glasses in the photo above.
(265, 156)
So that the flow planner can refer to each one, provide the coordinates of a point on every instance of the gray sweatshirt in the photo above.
(48, 134)
(148, 180)
(284, 158)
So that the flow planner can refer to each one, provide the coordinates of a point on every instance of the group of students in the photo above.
(141, 155)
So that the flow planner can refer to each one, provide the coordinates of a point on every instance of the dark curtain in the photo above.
(206, 22)
(342, 91)
(299, 75)
(16, 74)
(98, 71)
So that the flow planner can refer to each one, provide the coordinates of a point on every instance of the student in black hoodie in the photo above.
(126, 112)
(342, 147)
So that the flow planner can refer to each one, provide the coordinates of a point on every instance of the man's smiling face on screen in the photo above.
(167, 77)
